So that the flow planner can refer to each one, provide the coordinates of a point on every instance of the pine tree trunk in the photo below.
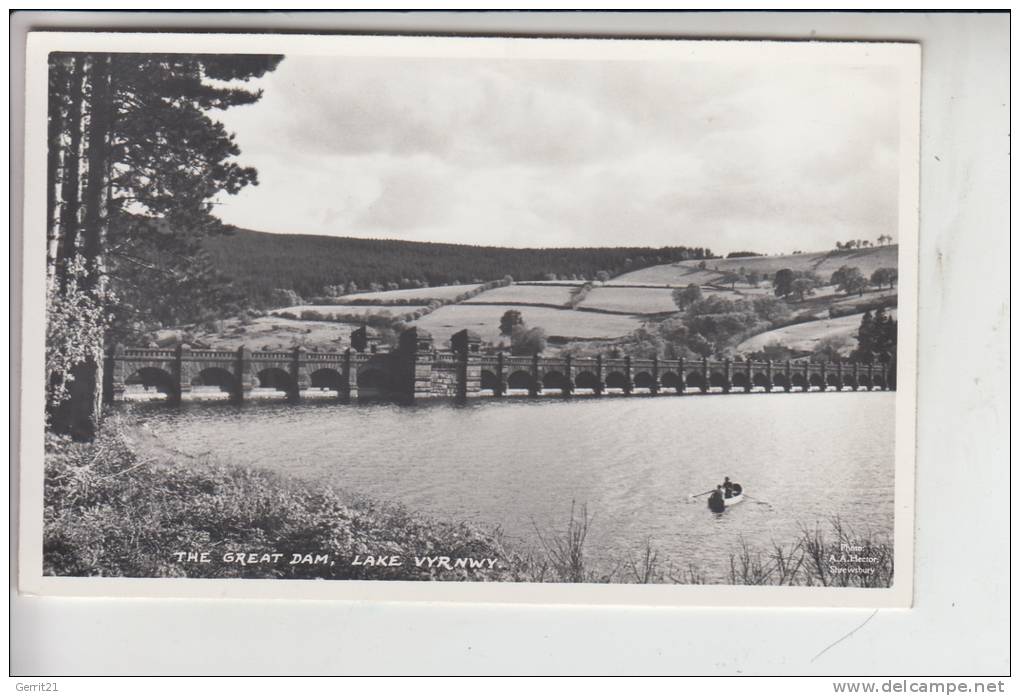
(87, 388)
(100, 109)
(65, 149)
(70, 167)
(58, 84)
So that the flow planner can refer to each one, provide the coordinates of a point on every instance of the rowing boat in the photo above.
(738, 498)
(718, 504)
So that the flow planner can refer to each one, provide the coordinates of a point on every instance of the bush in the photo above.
(285, 297)
(525, 341)
(578, 294)
(859, 307)
(108, 512)
(684, 297)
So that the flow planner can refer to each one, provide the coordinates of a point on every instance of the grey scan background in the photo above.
(960, 620)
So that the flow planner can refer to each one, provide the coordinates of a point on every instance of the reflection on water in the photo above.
(520, 463)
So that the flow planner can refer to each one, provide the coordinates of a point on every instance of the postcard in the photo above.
(572, 321)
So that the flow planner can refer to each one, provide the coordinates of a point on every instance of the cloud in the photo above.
(561, 153)
(409, 198)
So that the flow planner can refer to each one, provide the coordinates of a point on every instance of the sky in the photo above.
(767, 158)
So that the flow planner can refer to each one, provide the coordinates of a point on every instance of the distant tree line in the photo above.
(850, 244)
(260, 263)
(847, 279)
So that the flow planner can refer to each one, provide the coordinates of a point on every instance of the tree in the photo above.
(849, 279)
(774, 351)
(771, 309)
(684, 297)
(831, 349)
(884, 276)
(602, 276)
(285, 297)
(801, 287)
(510, 319)
(717, 323)
(135, 164)
(876, 338)
(732, 277)
(525, 341)
(783, 282)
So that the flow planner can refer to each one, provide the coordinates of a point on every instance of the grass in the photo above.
(111, 511)
(526, 294)
(123, 507)
(269, 333)
(823, 263)
(484, 319)
(364, 310)
(634, 300)
(423, 295)
(806, 336)
(675, 275)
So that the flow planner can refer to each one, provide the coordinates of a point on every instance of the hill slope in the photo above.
(258, 262)
(822, 262)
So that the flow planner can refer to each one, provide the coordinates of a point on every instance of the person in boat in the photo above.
(727, 487)
(715, 501)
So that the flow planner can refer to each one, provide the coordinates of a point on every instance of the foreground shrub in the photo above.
(110, 512)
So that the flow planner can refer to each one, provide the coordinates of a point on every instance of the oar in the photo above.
(757, 500)
(692, 496)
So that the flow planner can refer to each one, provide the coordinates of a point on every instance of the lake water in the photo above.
(519, 463)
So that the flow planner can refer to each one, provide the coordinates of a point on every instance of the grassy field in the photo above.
(526, 294)
(841, 300)
(443, 292)
(634, 300)
(363, 310)
(484, 319)
(806, 336)
(669, 275)
(627, 300)
(267, 333)
(823, 263)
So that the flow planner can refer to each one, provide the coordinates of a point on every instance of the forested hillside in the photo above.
(259, 262)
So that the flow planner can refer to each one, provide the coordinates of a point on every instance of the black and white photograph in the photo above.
(545, 316)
